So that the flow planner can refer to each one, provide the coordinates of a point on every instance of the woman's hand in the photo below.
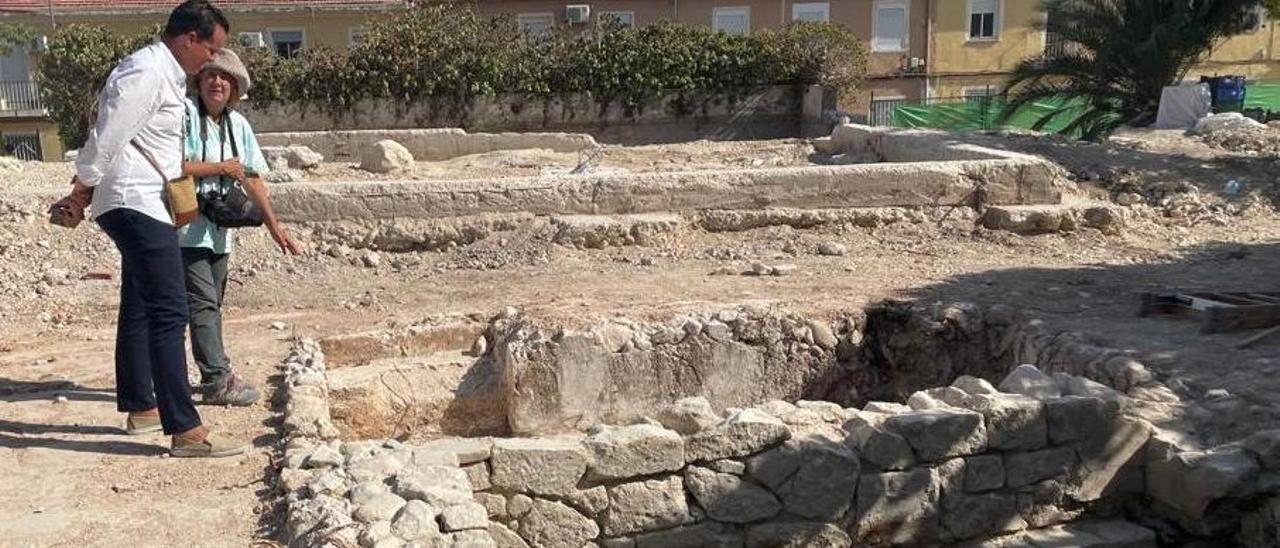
(231, 168)
(287, 244)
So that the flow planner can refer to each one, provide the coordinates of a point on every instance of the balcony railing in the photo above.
(19, 96)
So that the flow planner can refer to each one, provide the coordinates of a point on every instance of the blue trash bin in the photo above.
(1227, 92)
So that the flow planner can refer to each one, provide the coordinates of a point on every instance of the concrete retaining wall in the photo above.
(429, 145)
(766, 113)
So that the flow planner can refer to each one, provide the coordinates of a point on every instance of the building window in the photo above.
(978, 94)
(732, 20)
(536, 25)
(889, 28)
(984, 19)
(818, 12)
(622, 18)
(287, 42)
(881, 113)
(355, 36)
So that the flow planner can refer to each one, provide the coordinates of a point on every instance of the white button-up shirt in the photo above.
(143, 100)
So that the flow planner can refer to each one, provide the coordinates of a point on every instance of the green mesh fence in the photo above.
(983, 114)
(1265, 95)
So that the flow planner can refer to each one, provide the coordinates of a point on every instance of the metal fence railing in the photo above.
(23, 146)
(20, 96)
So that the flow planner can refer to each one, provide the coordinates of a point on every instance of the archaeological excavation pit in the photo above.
(751, 426)
(898, 424)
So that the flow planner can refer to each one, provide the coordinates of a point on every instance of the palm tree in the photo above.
(1114, 57)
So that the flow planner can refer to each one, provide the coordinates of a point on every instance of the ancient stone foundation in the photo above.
(635, 438)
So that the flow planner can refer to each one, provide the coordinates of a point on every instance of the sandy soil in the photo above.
(67, 477)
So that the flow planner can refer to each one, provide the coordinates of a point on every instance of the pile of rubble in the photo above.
(1234, 132)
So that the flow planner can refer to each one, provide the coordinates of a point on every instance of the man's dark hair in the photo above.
(197, 16)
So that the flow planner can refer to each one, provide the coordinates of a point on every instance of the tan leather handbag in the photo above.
(179, 194)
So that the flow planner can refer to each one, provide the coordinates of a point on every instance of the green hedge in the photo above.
(442, 52)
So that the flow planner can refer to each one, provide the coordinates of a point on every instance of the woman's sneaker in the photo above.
(230, 390)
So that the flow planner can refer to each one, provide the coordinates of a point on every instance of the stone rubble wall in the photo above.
(962, 462)
(1051, 444)
(368, 493)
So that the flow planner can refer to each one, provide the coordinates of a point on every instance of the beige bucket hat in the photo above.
(227, 61)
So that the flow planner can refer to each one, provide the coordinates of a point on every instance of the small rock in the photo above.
(1029, 381)
(371, 260)
(1217, 394)
(1129, 199)
(832, 249)
(386, 156)
(464, 516)
(60, 399)
(783, 270)
(278, 326)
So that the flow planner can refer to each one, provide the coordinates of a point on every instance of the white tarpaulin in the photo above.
(1181, 106)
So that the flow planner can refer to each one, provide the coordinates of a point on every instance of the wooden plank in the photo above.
(1252, 340)
(1235, 318)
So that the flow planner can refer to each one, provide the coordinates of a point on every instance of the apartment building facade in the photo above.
(918, 50)
(285, 26)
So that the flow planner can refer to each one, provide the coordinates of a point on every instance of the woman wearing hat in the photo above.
(221, 151)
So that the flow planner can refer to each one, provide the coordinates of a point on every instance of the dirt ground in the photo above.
(69, 478)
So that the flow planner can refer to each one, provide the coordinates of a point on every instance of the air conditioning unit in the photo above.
(253, 40)
(40, 44)
(916, 63)
(577, 13)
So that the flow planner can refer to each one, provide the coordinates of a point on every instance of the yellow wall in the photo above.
(49, 143)
(1255, 55)
(958, 62)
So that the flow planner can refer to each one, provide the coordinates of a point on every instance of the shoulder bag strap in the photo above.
(150, 160)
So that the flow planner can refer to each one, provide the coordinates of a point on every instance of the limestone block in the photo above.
(375, 467)
(728, 466)
(688, 416)
(699, 535)
(743, 433)
(1189, 481)
(974, 385)
(796, 535)
(983, 473)
(1014, 422)
(504, 537)
(1028, 468)
(415, 521)
(478, 476)
(884, 449)
(461, 517)
(1029, 381)
(591, 501)
(980, 515)
(645, 506)
(381, 507)
(385, 156)
(1076, 418)
(1105, 456)
(886, 407)
(555, 525)
(727, 498)
(898, 507)
(815, 475)
(545, 466)
(467, 450)
(494, 504)
(637, 450)
(936, 434)
(1266, 446)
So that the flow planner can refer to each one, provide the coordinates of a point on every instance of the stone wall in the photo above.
(767, 113)
(426, 145)
(968, 462)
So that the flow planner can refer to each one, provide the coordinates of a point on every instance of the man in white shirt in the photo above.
(140, 114)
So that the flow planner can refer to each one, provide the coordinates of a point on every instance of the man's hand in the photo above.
(69, 211)
(287, 244)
